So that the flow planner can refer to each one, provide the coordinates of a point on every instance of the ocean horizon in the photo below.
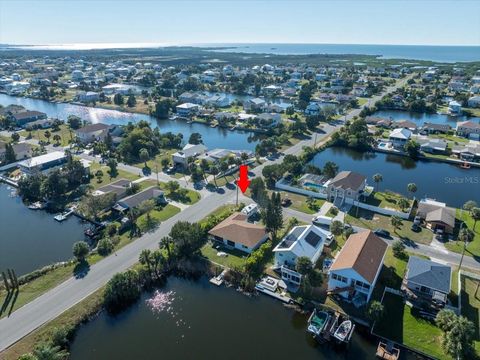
(436, 53)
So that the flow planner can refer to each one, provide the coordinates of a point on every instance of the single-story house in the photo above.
(189, 151)
(442, 218)
(431, 128)
(474, 101)
(24, 117)
(92, 132)
(22, 150)
(467, 152)
(355, 270)
(406, 124)
(434, 146)
(305, 240)
(119, 188)
(255, 104)
(268, 120)
(133, 201)
(43, 163)
(237, 233)
(346, 185)
(427, 279)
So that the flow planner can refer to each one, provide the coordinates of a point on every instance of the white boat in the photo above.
(64, 215)
(343, 330)
(37, 206)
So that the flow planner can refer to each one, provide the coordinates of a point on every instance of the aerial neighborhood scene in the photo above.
(239, 179)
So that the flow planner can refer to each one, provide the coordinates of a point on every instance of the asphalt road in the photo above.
(59, 299)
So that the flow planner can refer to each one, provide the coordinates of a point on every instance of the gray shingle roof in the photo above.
(429, 274)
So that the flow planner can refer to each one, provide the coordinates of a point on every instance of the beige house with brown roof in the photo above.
(346, 185)
(356, 268)
(236, 233)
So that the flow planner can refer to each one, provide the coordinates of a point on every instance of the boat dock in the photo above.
(282, 298)
(8, 181)
(218, 280)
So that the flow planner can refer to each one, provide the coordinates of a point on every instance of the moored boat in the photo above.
(465, 165)
(38, 205)
(317, 322)
(343, 331)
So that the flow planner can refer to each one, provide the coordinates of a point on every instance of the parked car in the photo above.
(286, 202)
(417, 220)
(382, 232)
(439, 234)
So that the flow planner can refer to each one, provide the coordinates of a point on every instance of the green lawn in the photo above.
(402, 324)
(471, 304)
(158, 215)
(64, 132)
(234, 258)
(385, 200)
(299, 203)
(106, 178)
(370, 220)
(473, 248)
(156, 163)
(190, 197)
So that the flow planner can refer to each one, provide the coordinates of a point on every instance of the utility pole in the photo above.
(236, 182)
(156, 171)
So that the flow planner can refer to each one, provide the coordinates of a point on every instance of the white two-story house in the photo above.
(306, 240)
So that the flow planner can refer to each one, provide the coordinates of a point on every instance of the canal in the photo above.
(32, 239)
(212, 137)
(441, 181)
(420, 118)
(207, 322)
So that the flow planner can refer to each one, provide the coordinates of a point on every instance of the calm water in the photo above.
(420, 118)
(444, 182)
(420, 52)
(32, 239)
(207, 322)
(212, 137)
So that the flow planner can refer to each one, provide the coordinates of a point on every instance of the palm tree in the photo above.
(46, 351)
(377, 178)
(204, 167)
(145, 258)
(57, 138)
(166, 243)
(412, 188)
(214, 172)
(396, 223)
(475, 213)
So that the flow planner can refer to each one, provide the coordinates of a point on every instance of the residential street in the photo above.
(57, 300)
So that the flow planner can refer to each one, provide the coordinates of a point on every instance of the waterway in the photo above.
(212, 137)
(31, 239)
(420, 118)
(208, 322)
(441, 181)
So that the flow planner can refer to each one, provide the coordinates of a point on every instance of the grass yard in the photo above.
(473, 248)
(385, 200)
(189, 197)
(299, 203)
(156, 163)
(106, 178)
(158, 215)
(403, 325)
(370, 220)
(234, 258)
(470, 298)
(72, 317)
(65, 133)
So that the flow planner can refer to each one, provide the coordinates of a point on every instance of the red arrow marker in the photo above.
(243, 180)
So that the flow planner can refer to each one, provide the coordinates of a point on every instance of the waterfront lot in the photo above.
(403, 325)
(470, 298)
(106, 178)
(369, 220)
(473, 248)
(65, 133)
(386, 200)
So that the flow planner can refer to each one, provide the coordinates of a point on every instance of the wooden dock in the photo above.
(274, 294)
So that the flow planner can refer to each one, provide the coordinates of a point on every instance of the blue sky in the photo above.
(229, 21)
